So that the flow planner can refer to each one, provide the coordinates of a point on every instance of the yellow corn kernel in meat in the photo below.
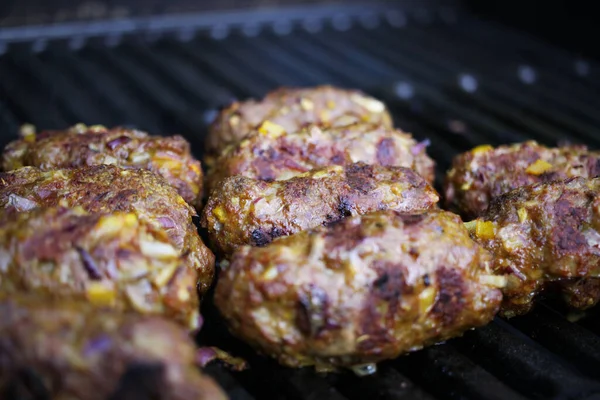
(484, 229)
(539, 167)
(219, 213)
(307, 105)
(271, 129)
(482, 149)
(330, 104)
(426, 300)
(523, 215)
(100, 295)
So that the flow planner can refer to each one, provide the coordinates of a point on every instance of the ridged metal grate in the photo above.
(446, 76)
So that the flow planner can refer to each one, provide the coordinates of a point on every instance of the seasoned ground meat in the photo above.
(113, 259)
(270, 154)
(63, 349)
(80, 145)
(544, 235)
(293, 108)
(485, 172)
(362, 290)
(105, 189)
(248, 211)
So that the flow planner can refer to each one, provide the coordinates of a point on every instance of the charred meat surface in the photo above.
(80, 145)
(362, 290)
(63, 349)
(105, 189)
(115, 260)
(545, 235)
(270, 154)
(292, 109)
(248, 211)
(477, 176)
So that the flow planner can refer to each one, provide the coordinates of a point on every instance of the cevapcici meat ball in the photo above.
(105, 189)
(485, 172)
(116, 260)
(362, 290)
(248, 211)
(292, 109)
(80, 145)
(544, 235)
(63, 349)
(271, 154)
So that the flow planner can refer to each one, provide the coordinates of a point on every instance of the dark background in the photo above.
(569, 24)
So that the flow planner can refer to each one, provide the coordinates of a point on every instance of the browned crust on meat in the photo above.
(483, 173)
(244, 211)
(112, 259)
(268, 154)
(80, 145)
(76, 351)
(362, 290)
(105, 189)
(293, 108)
(545, 234)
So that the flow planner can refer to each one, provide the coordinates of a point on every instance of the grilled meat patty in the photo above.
(63, 349)
(271, 154)
(292, 109)
(362, 290)
(545, 235)
(106, 189)
(113, 259)
(477, 176)
(80, 145)
(243, 210)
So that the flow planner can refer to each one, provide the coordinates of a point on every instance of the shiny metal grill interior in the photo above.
(446, 76)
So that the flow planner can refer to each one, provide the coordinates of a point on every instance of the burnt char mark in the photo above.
(360, 178)
(566, 233)
(386, 294)
(344, 208)
(260, 238)
(343, 235)
(450, 301)
(312, 311)
(276, 232)
(386, 152)
(412, 219)
(426, 280)
(141, 381)
(89, 264)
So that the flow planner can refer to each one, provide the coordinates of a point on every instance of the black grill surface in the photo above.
(445, 75)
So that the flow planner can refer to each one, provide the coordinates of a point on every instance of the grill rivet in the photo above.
(404, 90)
(527, 74)
(468, 83)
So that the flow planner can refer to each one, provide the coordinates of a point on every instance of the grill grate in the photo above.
(445, 76)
